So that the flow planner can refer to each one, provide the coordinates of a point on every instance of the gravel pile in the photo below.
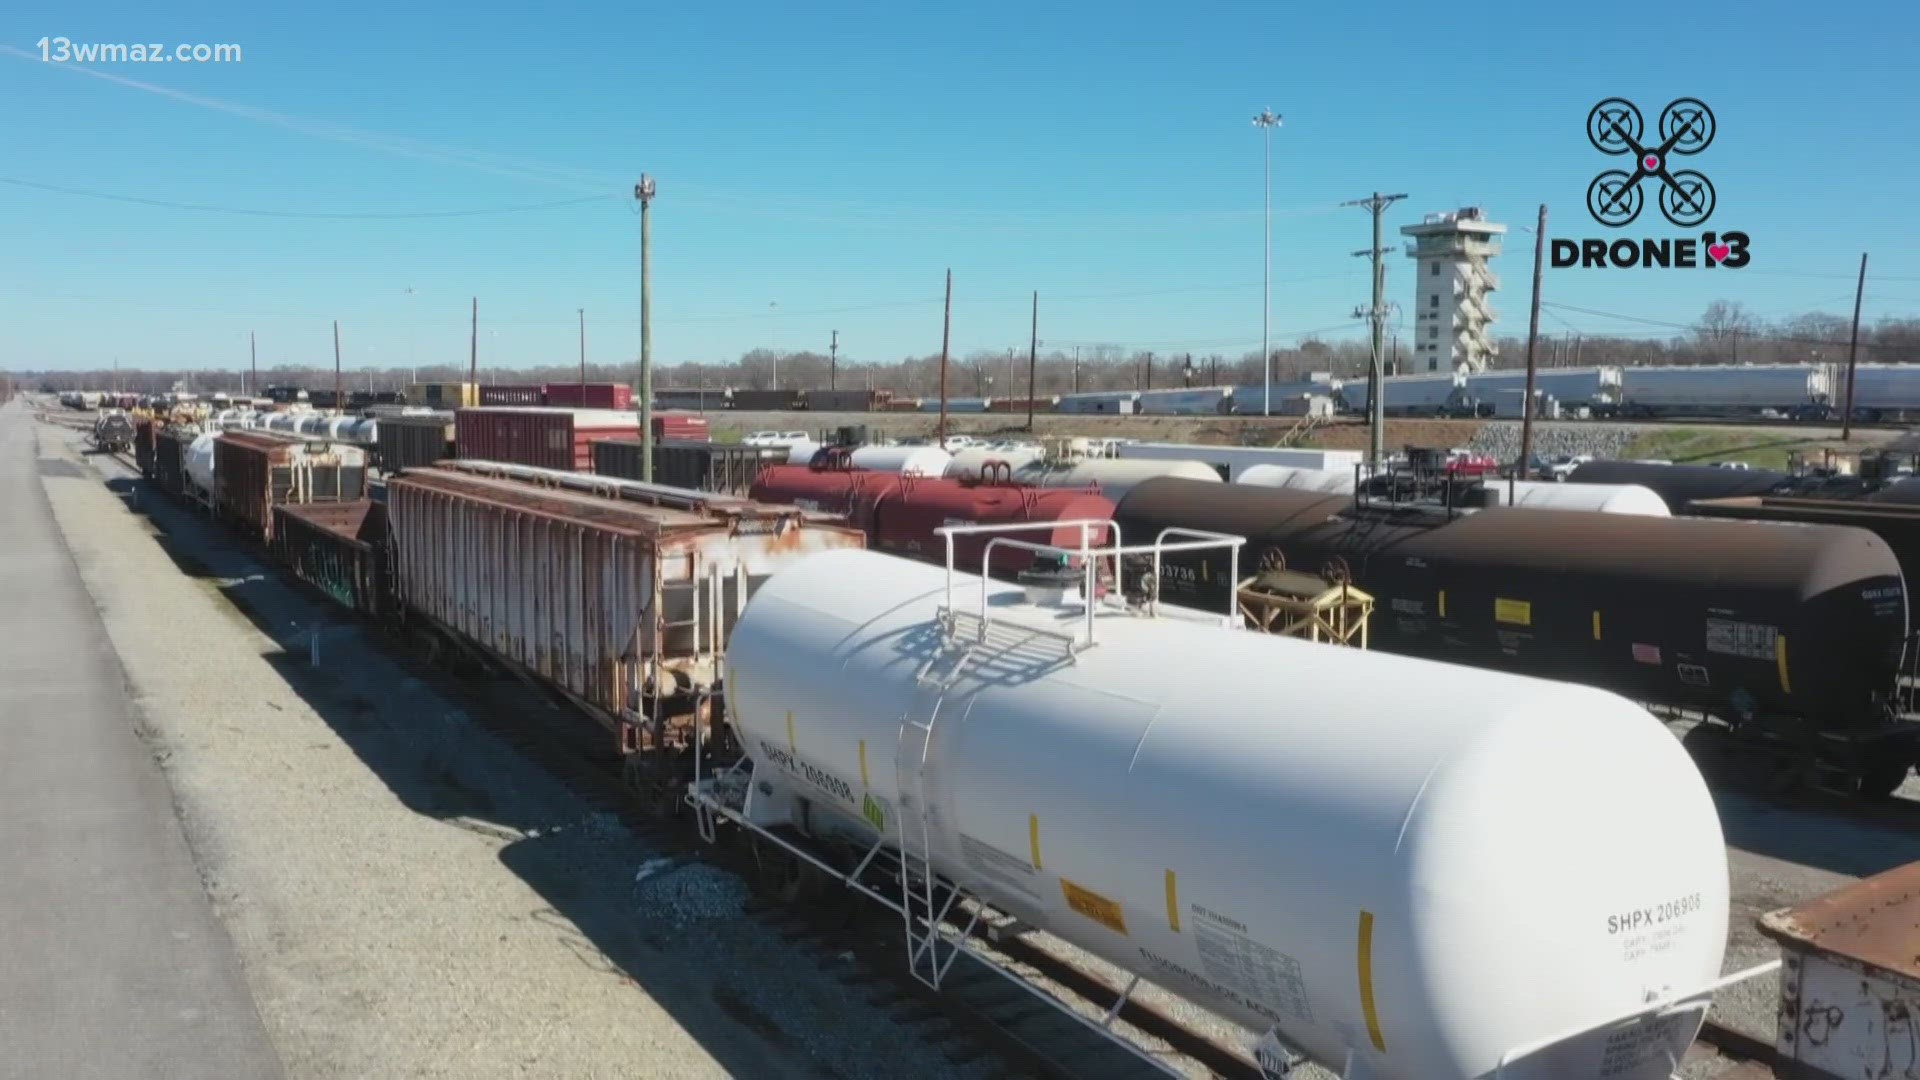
(682, 894)
(1501, 439)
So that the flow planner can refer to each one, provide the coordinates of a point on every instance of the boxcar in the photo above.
(338, 548)
(254, 471)
(726, 468)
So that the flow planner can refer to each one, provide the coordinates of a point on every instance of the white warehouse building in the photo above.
(1452, 319)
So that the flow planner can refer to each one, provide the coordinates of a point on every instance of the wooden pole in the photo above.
(1853, 349)
(1533, 340)
(946, 338)
(1033, 356)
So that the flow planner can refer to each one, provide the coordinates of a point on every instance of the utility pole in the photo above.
(473, 351)
(833, 361)
(338, 396)
(1853, 349)
(583, 354)
(644, 191)
(1266, 122)
(1076, 369)
(1376, 412)
(253, 363)
(1149, 371)
(1033, 356)
(1011, 387)
(1533, 337)
(946, 336)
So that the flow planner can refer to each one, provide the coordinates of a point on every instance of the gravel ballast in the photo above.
(409, 897)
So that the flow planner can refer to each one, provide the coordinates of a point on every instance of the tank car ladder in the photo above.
(922, 907)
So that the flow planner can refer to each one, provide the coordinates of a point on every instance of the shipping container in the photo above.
(444, 395)
(1020, 404)
(408, 442)
(254, 471)
(573, 395)
(517, 394)
(681, 427)
(769, 400)
(339, 548)
(548, 438)
(726, 468)
(903, 404)
(957, 405)
(622, 606)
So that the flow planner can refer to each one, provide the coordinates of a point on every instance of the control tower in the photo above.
(1452, 318)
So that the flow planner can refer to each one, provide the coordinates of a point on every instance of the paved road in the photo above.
(112, 962)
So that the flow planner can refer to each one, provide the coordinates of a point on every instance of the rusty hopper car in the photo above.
(622, 606)
(1787, 632)
(338, 548)
(255, 471)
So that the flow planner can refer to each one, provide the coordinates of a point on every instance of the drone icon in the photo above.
(1686, 197)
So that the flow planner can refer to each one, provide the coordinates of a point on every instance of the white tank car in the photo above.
(1332, 481)
(1406, 866)
(200, 461)
(1601, 498)
(1115, 477)
(967, 463)
(905, 460)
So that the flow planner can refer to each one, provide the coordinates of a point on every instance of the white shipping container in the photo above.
(1117, 402)
(1403, 868)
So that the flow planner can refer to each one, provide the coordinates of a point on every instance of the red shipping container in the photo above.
(901, 519)
(521, 394)
(599, 395)
(548, 438)
(681, 427)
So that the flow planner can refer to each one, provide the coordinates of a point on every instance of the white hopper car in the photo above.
(1723, 389)
(1571, 386)
(1204, 401)
(1376, 861)
(1407, 395)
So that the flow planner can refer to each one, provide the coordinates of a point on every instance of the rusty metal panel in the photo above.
(339, 548)
(254, 471)
(1850, 979)
(572, 586)
(548, 438)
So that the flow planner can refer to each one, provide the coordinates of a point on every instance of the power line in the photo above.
(326, 214)
(1695, 328)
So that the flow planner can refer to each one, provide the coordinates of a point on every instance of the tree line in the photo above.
(1725, 333)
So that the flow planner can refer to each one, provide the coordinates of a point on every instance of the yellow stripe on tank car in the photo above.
(863, 764)
(1173, 902)
(1780, 659)
(1033, 838)
(1366, 983)
(1443, 603)
(1596, 626)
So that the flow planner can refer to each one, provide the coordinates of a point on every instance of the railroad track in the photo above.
(978, 1014)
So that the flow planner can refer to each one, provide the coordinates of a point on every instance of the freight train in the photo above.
(843, 706)
(1795, 635)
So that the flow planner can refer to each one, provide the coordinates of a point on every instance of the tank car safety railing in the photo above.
(960, 938)
(1090, 556)
(1662, 1007)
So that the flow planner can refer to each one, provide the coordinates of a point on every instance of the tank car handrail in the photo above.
(1664, 1004)
(1201, 540)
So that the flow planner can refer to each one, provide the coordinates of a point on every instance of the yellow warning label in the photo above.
(1596, 626)
(1367, 1005)
(1173, 902)
(1519, 612)
(1443, 603)
(1033, 838)
(863, 764)
(1780, 658)
(1094, 906)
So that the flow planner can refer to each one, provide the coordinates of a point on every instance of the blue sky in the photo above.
(821, 165)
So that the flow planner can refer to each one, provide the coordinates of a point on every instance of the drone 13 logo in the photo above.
(1685, 196)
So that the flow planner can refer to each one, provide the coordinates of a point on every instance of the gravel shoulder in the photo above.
(408, 896)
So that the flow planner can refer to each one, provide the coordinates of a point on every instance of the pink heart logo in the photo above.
(1718, 252)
